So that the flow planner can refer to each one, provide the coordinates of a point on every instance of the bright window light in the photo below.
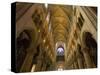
(60, 51)
(46, 5)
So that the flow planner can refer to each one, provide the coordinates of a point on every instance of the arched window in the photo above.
(60, 51)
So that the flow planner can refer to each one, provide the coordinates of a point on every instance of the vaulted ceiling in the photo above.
(60, 21)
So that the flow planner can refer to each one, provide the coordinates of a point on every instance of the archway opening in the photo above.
(23, 41)
(90, 42)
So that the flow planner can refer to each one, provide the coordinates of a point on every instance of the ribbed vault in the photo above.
(60, 22)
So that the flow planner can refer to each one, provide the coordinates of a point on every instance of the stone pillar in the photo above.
(27, 63)
(38, 66)
(79, 60)
(80, 63)
(72, 66)
(87, 58)
(39, 62)
(44, 67)
(75, 65)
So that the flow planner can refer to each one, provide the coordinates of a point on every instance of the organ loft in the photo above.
(51, 37)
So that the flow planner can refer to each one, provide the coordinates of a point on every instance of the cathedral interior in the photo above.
(54, 37)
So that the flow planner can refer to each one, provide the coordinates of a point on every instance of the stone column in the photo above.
(38, 66)
(72, 66)
(27, 64)
(79, 60)
(39, 62)
(80, 63)
(87, 58)
(44, 67)
(75, 65)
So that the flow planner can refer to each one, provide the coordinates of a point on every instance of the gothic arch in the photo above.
(88, 40)
(91, 44)
(25, 45)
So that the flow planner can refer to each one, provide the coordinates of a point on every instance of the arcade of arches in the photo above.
(55, 37)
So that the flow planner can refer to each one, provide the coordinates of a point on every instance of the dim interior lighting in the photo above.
(39, 30)
(46, 5)
(44, 40)
(51, 54)
(47, 47)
